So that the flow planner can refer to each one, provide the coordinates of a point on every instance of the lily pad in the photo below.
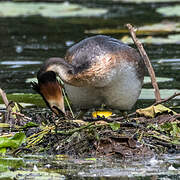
(147, 1)
(12, 9)
(165, 93)
(164, 27)
(25, 99)
(147, 79)
(170, 39)
(169, 10)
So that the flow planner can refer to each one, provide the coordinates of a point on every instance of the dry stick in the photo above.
(6, 102)
(22, 115)
(121, 118)
(146, 61)
(167, 99)
(4, 97)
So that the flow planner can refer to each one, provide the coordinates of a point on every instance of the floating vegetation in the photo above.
(149, 93)
(147, 1)
(165, 27)
(169, 10)
(170, 39)
(54, 10)
(25, 99)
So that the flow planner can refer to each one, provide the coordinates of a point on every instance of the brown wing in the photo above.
(91, 53)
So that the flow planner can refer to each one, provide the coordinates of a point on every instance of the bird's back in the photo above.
(90, 50)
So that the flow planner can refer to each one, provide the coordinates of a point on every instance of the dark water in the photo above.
(25, 42)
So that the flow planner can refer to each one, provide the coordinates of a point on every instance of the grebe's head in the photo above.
(51, 91)
(48, 86)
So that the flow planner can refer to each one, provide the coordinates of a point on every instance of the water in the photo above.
(27, 41)
(164, 167)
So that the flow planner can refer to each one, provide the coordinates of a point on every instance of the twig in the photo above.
(22, 115)
(146, 61)
(4, 98)
(176, 116)
(167, 99)
(69, 106)
(71, 131)
(122, 117)
(8, 107)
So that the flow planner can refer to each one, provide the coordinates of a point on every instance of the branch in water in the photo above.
(146, 61)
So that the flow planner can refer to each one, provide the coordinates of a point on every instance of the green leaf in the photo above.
(114, 126)
(90, 159)
(30, 124)
(175, 130)
(167, 127)
(3, 151)
(13, 142)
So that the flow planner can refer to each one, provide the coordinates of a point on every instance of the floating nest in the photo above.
(148, 131)
(136, 134)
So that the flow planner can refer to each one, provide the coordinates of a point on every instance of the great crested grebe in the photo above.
(97, 70)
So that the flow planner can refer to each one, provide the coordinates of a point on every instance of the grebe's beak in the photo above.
(51, 91)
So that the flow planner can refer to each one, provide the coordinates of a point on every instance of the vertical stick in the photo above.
(146, 61)
(8, 107)
(3, 95)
